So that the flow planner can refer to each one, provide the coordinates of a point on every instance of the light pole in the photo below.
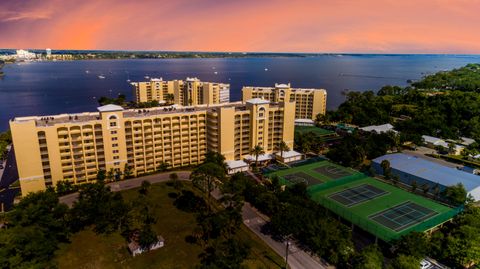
(286, 254)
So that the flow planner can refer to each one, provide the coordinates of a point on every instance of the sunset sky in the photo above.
(373, 26)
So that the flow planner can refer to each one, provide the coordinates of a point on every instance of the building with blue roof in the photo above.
(412, 168)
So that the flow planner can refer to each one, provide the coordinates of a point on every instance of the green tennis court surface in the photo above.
(386, 211)
(301, 177)
(313, 173)
(333, 171)
(403, 216)
(357, 195)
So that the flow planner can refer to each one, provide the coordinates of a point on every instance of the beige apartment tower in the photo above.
(309, 102)
(75, 147)
(188, 92)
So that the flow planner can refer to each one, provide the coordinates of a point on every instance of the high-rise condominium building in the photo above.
(75, 147)
(309, 102)
(189, 92)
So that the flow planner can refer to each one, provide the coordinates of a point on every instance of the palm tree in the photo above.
(169, 98)
(206, 177)
(282, 146)
(257, 150)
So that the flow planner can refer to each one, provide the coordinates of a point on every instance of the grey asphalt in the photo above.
(69, 199)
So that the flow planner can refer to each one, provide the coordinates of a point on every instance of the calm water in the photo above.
(46, 88)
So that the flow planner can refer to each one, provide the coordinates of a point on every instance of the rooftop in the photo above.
(51, 120)
(236, 164)
(258, 101)
(379, 128)
(431, 171)
(109, 108)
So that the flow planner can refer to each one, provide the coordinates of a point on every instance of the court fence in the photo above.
(379, 230)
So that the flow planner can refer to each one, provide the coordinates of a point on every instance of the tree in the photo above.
(405, 262)
(456, 194)
(225, 254)
(369, 258)
(144, 187)
(413, 244)
(147, 237)
(127, 171)
(206, 177)
(385, 164)
(174, 178)
(414, 185)
(257, 151)
(110, 174)
(98, 206)
(101, 175)
(425, 188)
(282, 146)
(436, 191)
(34, 229)
(215, 157)
(162, 167)
(451, 148)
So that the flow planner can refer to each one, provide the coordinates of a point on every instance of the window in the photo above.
(116, 163)
(113, 124)
(113, 132)
(114, 138)
(116, 157)
(114, 145)
(115, 151)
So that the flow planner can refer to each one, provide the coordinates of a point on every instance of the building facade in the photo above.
(75, 147)
(309, 102)
(188, 92)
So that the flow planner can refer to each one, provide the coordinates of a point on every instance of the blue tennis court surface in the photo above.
(357, 195)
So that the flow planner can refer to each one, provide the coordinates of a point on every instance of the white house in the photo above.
(288, 156)
(236, 166)
(379, 128)
(135, 248)
(432, 142)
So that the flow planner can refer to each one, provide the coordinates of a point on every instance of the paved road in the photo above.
(130, 184)
(297, 258)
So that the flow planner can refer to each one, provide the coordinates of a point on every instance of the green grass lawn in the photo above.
(89, 250)
(358, 214)
(314, 129)
(309, 170)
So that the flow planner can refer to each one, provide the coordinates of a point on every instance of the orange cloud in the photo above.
(428, 26)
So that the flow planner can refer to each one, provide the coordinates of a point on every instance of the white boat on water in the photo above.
(215, 72)
(147, 77)
(87, 71)
(266, 69)
(101, 77)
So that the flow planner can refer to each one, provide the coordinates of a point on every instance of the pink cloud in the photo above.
(437, 26)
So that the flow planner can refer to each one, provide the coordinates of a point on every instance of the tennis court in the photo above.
(402, 216)
(333, 171)
(312, 174)
(381, 209)
(357, 195)
(301, 177)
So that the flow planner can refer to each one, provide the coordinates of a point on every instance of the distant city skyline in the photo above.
(346, 26)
